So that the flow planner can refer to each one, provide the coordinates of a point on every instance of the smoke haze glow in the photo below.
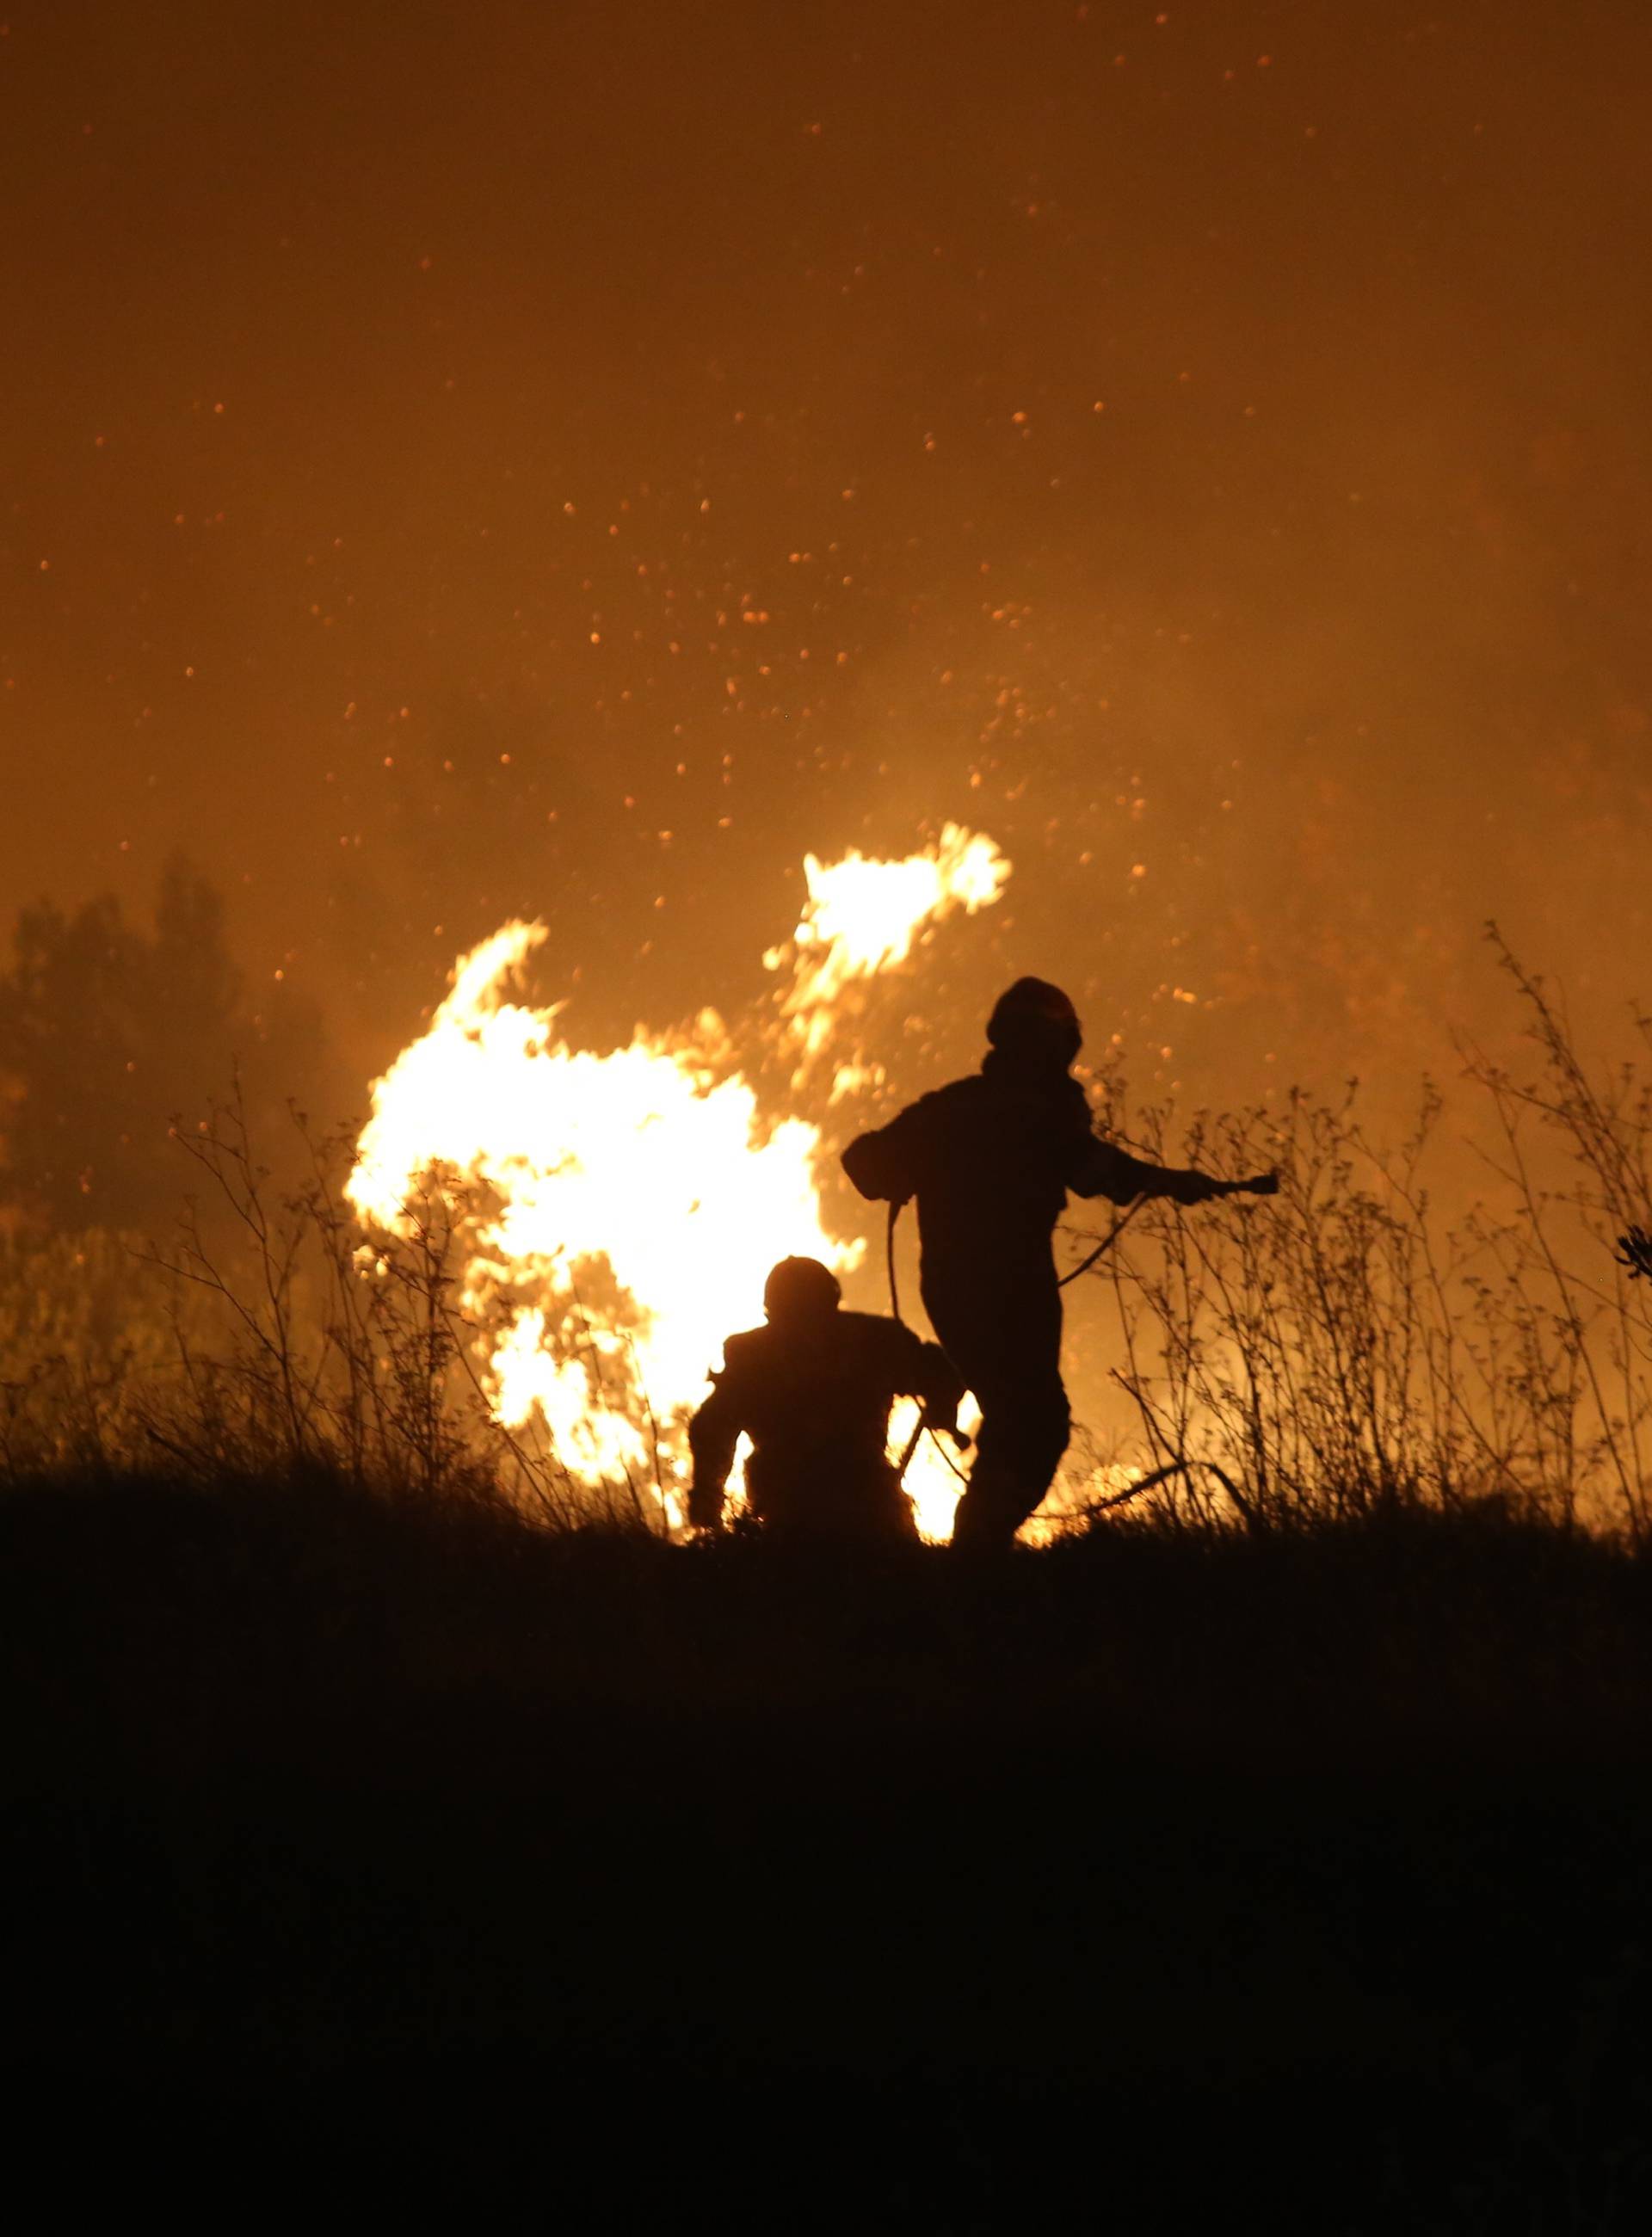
(568, 464)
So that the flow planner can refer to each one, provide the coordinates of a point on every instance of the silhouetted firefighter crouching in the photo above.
(813, 1390)
(990, 1160)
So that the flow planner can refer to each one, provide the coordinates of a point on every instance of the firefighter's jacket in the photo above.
(815, 1397)
(991, 1160)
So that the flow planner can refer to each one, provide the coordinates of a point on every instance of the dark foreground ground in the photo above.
(393, 1863)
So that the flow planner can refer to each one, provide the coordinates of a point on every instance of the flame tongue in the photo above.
(862, 917)
(635, 1200)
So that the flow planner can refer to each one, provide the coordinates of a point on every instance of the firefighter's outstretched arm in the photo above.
(1103, 1169)
(713, 1434)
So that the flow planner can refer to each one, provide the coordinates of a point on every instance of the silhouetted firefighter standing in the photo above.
(813, 1390)
(990, 1160)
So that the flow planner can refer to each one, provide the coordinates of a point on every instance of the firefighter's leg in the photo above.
(1025, 1423)
(1004, 1337)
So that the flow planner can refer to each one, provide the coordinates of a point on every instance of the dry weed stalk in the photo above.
(1343, 1350)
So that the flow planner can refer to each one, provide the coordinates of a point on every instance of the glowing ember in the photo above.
(631, 1204)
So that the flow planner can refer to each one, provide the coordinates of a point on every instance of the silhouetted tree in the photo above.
(107, 1031)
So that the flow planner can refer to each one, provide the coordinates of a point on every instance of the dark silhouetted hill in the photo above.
(1154, 1875)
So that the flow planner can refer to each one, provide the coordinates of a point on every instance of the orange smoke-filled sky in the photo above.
(467, 460)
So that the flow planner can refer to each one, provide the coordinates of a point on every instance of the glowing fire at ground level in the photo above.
(628, 1206)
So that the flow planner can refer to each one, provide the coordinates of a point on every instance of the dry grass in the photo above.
(272, 1336)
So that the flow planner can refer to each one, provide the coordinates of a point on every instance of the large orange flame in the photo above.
(633, 1202)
